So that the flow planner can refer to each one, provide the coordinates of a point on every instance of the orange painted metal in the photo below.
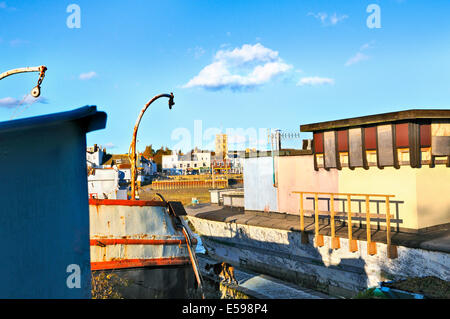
(124, 202)
(305, 239)
(371, 246)
(353, 247)
(125, 241)
(335, 243)
(319, 237)
(392, 249)
(133, 263)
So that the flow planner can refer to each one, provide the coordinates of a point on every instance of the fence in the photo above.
(348, 215)
(170, 184)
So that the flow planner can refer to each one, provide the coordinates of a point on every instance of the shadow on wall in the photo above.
(292, 261)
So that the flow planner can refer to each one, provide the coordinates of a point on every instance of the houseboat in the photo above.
(367, 202)
(146, 244)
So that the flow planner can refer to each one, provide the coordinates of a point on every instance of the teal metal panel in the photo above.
(44, 215)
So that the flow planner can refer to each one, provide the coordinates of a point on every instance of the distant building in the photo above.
(221, 143)
(232, 163)
(236, 160)
(106, 183)
(146, 167)
(198, 162)
(109, 174)
(94, 156)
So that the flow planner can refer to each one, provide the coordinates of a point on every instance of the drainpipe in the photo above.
(132, 150)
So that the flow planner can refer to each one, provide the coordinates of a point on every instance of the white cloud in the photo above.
(244, 67)
(314, 80)
(334, 19)
(197, 51)
(10, 102)
(366, 46)
(327, 19)
(110, 145)
(88, 75)
(358, 57)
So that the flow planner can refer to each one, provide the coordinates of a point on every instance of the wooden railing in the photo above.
(335, 242)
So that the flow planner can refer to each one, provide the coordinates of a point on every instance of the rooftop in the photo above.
(86, 116)
(378, 118)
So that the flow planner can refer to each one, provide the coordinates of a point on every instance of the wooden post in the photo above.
(371, 246)
(319, 238)
(351, 242)
(391, 250)
(335, 244)
(302, 222)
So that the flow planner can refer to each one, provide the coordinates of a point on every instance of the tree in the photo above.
(157, 157)
(149, 151)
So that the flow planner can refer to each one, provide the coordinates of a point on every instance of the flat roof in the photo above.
(378, 118)
(88, 115)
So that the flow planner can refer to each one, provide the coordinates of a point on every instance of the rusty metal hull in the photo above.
(165, 282)
(138, 240)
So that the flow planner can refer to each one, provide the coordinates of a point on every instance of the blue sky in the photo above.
(266, 64)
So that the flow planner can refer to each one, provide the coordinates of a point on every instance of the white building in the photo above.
(94, 156)
(109, 174)
(103, 183)
(200, 160)
(236, 160)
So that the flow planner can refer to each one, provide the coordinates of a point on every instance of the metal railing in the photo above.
(335, 242)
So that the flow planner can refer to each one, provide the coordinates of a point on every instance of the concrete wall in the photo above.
(258, 184)
(281, 254)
